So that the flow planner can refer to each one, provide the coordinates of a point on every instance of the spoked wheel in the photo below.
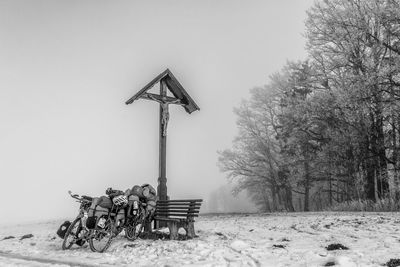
(72, 234)
(134, 227)
(100, 238)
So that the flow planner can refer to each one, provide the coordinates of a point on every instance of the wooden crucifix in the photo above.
(167, 82)
(164, 101)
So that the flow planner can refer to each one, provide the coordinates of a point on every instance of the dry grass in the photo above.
(387, 204)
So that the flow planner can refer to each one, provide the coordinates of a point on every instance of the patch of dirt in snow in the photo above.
(286, 239)
(393, 263)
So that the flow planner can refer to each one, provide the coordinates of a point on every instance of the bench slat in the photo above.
(169, 219)
(179, 211)
(177, 204)
(177, 214)
(176, 208)
(180, 200)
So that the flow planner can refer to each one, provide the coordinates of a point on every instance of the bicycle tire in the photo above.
(98, 234)
(133, 230)
(67, 234)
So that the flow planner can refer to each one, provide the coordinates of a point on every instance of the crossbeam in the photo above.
(148, 96)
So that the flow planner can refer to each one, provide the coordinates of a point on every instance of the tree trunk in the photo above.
(267, 205)
(274, 202)
(300, 204)
(376, 195)
(383, 184)
(330, 186)
(369, 167)
(289, 199)
(391, 167)
(306, 185)
(280, 200)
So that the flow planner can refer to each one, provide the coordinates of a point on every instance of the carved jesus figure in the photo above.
(164, 102)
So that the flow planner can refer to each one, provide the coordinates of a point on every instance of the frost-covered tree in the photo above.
(353, 45)
(326, 130)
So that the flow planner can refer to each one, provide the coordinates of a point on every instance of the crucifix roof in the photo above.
(173, 86)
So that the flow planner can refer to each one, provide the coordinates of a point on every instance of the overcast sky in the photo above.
(67, 67)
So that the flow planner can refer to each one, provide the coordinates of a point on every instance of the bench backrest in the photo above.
(179, 208)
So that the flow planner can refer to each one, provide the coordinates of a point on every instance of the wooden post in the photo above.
(162, 169)
(162, 162)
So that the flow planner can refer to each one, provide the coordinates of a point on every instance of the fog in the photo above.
(67, 67)
(222, 200)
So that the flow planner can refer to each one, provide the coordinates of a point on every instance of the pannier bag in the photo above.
(93, 214)
(105, 202)
(91, 222)
(93, 206)
(95, 211)
(100, 211)
(63, 229)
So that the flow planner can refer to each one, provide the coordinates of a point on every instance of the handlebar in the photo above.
(76, 196)
(82, 198)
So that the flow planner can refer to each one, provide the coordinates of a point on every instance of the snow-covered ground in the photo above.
(294, 239)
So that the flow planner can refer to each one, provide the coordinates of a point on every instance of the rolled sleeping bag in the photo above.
(149, 192)
(137, 191)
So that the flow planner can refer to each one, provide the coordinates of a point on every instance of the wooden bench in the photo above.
(178, 214)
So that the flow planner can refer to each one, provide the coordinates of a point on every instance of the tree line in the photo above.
(326, 130)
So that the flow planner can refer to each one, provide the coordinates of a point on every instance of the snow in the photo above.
(286, 239)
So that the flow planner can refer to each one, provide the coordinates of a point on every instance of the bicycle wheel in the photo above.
(100, 238)
(71, 236)
(134, 228)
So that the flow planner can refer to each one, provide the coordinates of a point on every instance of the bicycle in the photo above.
(77, 232)
(101, 229)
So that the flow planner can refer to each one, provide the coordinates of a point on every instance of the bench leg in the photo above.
(173, 230)
(190, 230)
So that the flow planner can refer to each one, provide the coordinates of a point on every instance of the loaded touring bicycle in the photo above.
(101, 219)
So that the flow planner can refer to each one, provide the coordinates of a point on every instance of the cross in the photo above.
(167, 82)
